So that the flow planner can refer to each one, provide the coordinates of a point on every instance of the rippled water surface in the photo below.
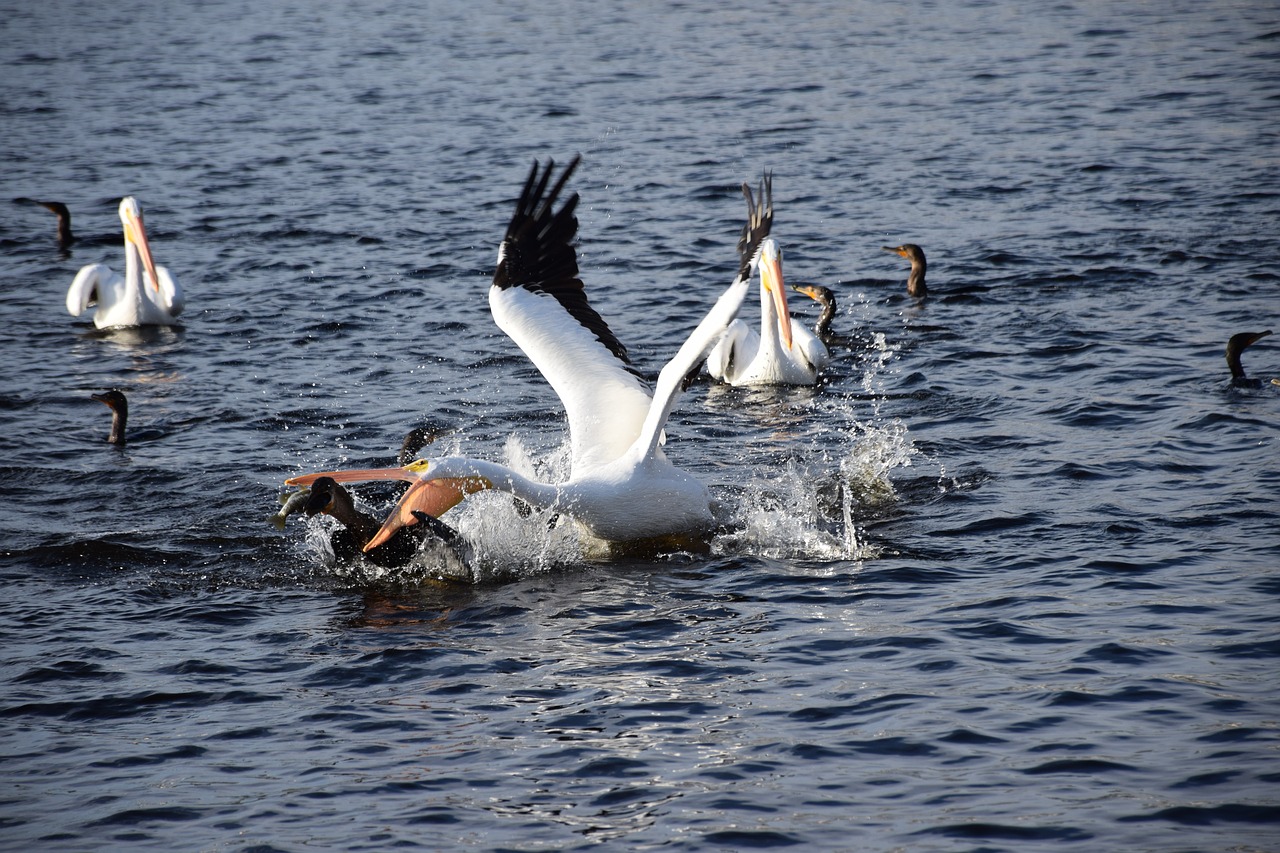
(1006, 580)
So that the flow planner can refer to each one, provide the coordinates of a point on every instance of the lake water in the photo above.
(1006, 580)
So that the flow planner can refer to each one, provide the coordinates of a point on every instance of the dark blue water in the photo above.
(1005, 581)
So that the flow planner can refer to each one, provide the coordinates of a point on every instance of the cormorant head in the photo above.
(910, 251)
(1238, 343)
(321, 498)
(114, 399)
(418, 438)
(816, 292)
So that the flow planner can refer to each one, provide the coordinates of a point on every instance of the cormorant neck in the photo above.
(1233, 362)
(915, 283)
(1235, 347)
(344, 509)
(823, 327)
(118, 424)
(417, 439)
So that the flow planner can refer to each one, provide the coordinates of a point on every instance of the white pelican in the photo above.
(127, 301)
(621, 488)
(915, 282)
(784, 351)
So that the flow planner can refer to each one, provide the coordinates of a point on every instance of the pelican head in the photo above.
(769, 262)
(135, 234)
(425, 497)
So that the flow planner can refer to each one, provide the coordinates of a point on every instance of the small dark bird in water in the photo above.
(1235, 347)
(915, 282)
(119, 405)
(330, 498)
(65, 237)
(827, 299)
(418, 438)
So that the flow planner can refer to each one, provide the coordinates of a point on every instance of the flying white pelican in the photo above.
(127, 301)
(784, 351)
(621, 488)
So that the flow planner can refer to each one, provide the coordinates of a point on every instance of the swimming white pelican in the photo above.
(622, 488)
(784, 351)
(127, 301)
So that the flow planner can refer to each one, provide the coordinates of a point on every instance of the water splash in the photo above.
(808, 509)
(807, 505)
(796, 492)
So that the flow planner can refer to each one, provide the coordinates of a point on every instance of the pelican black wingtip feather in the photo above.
(538, 245)
(759, 223)
(538, 254)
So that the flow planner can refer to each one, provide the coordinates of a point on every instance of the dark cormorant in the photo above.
(827, 299)
(330, 498)
(913, 253)
(65, 237)
(1235, 347)
(119, 405)
(418, 438)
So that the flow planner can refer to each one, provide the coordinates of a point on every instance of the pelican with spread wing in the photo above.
(622, 487)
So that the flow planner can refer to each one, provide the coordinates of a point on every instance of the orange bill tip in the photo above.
(432, 497)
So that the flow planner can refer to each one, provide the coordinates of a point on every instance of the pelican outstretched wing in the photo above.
(538, 299)
(712, 327)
